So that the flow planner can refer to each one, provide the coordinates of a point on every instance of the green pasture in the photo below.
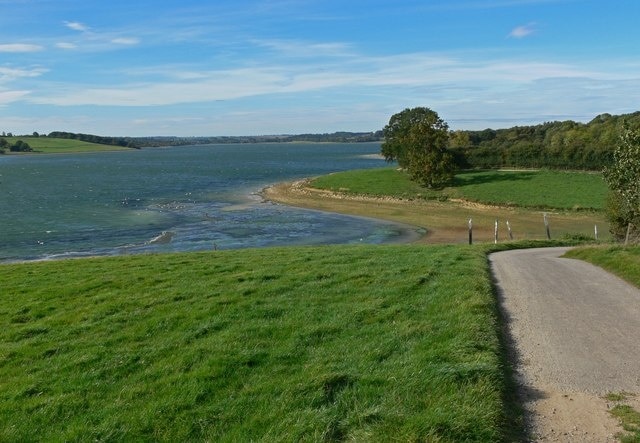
(380, 182)
(540, 189)
(360, 343)
(62, 145)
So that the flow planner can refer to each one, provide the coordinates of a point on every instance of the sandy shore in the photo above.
(298, 194)
(437, 221)
(424, 221)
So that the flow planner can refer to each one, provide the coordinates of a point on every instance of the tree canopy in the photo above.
(558, 145)
(417, 139)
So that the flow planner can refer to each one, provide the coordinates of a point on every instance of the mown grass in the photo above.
(541, 189)
(379, 182)
(61, 145)
(534, 189)
(622, 261)
(363, 343)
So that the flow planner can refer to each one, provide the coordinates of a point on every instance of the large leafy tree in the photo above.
(623, 178)
(417, 139)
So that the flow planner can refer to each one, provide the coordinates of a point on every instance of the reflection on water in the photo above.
(177, 199)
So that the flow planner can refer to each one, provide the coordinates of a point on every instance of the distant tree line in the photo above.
(336, 137)
(127, 142)
(18, 146)
(558, 145)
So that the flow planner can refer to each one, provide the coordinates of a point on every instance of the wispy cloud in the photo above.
(20, 47)
(299, 48)
(94, 39)
(404, 71)
(126, 41)
(66, 45)
(7, 97)
(487, 4)
(10, 74)
(77, 26)
(523, 31)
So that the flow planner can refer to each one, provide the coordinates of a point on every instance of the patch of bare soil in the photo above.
(557, 416)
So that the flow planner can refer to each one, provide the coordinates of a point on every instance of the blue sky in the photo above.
(248, 67)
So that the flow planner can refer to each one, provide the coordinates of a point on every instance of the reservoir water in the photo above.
(172, 199)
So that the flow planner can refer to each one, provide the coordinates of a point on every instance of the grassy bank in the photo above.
(49, 145)
(624, 262)
(367, 343)
(524, 198)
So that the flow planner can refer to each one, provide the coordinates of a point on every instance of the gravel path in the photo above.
(575, 336)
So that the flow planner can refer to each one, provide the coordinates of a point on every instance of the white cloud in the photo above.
(66, 45)
(7, 97)
(401, 71)
(10, 74)
(128, 41)
(20, 47)
(297, 48)
(77, 26)
(493, 4)
(460, 86)
(523, 31)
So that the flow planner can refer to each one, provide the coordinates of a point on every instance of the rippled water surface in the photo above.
(171, 199)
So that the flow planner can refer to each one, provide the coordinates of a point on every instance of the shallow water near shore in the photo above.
(173, 199)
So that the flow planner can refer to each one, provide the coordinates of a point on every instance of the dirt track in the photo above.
(575, 334)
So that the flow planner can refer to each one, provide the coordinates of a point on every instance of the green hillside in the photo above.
(50, 145)
(361, 343)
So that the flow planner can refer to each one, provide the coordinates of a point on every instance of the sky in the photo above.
(257, 67)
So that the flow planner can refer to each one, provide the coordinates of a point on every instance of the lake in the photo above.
(173, 199)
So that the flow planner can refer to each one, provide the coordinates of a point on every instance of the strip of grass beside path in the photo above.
(622, 261)
(364, 343)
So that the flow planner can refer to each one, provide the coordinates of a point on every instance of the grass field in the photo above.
(622, 261)
(61, 145)
(529, 189)
(379, 182)
(362, 343)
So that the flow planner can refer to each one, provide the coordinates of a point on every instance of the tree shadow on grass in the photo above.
(479, 178)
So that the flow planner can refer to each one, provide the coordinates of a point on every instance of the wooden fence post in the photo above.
(470, 231)
(546, 226)
(509, 230)
(626, 239)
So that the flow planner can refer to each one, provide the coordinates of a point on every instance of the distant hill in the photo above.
(84, 142)
(336, 137)
(125, 142)
(52, 145)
